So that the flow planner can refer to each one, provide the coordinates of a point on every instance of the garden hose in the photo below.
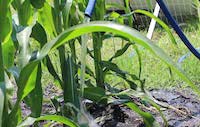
(90, 8)
(177, 28)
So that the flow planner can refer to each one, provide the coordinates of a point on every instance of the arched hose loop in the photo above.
(177, 28)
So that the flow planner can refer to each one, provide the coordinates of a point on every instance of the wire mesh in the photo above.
(180, 9)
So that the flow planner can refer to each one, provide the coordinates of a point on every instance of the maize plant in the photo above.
(56, 27)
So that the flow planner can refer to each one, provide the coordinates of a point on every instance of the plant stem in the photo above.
(1, 64)
(97, 43)
(3, 88)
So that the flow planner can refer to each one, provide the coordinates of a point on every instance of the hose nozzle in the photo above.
(90, 8)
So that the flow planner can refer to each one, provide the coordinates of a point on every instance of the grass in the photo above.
(58, 55)
(156, 74)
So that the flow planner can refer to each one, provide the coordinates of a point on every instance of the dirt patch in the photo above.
(184, 110)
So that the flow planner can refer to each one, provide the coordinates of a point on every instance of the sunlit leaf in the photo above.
(8, 53)
(160, 22)
(56, 118)
(78, 30)
(147, 117)
(5, 20)
(46, 20)
(36, 96)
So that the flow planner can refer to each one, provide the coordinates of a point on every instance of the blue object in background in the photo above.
(182, 58)
(177, 28)
(90, 8)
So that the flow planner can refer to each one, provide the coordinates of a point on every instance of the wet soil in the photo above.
(184, 109)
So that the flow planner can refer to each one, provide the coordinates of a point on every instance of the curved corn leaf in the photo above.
(128, 10)
(166, 28)
(5, 20)
(26, 83)
(139, 59)
(45, 18)
(124, 31)
(25, 13)
(69, 85)
(147, 117)
(60, 119)
(37, 3)
(5, 32)
(122, 74)
(35, 98)
(39, 34)
(79, 30)
(66, 12)
(121, 51)
(94, 93)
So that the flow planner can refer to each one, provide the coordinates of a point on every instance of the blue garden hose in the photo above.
(177, 28)
(91, 5)
(90, 8)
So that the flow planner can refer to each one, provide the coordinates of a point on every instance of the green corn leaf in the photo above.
(5, 20)
(114, 16)
(56, 118)
(89, 71)
(66, 12)
(114, 5)
(79, 30)
(39, 34)
(8, 53)
(25, 13)
(139, 60)
(147, 98)
(121, 51)
(122, 74)
(94, 93)
(147, 117)
(5, 32)
(124, 31)
(166, 28)
(52, 70)
(37, 3)
(26, 83)
(97, 44)
(131, 84)
(70, 86)
(2, 96)
(45, 18)
(34, 99)
(128, 10)
(113, 67)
